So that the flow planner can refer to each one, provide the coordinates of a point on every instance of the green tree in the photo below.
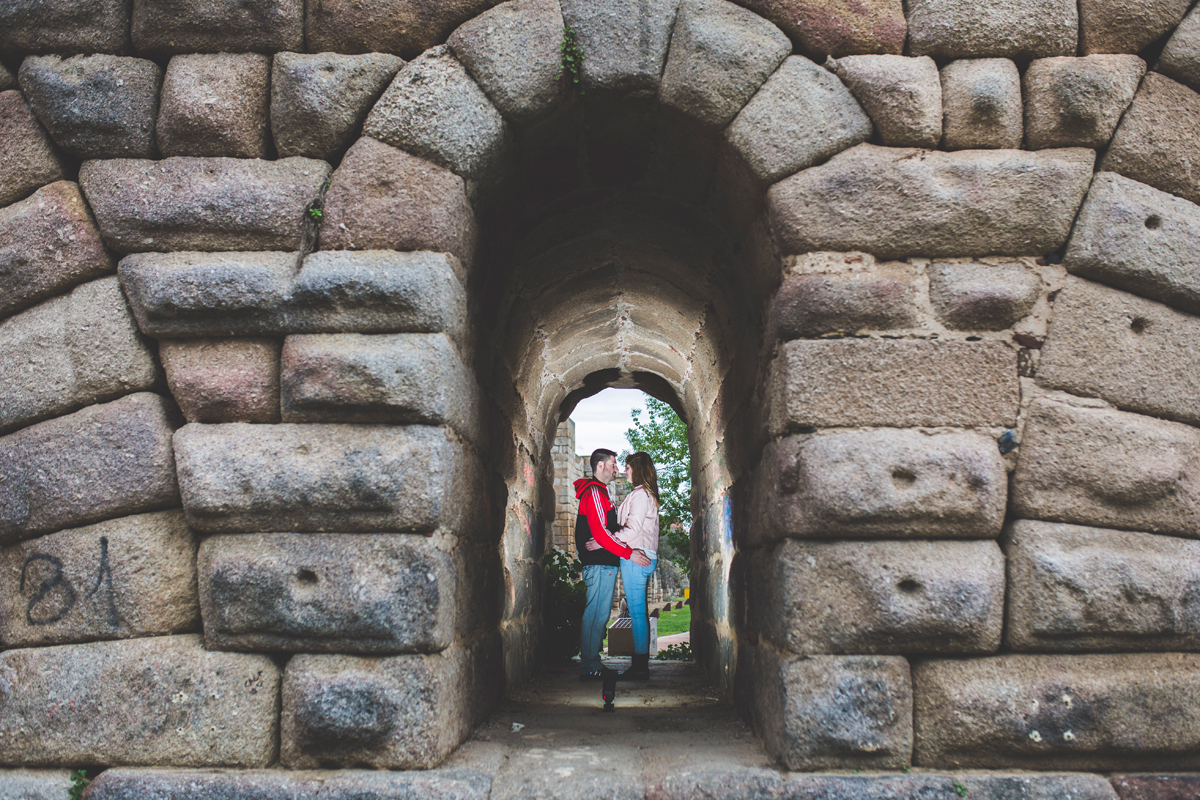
(664, 436)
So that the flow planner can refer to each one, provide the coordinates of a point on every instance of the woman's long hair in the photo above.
(644, 473)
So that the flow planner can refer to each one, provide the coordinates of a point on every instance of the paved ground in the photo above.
(554, 741)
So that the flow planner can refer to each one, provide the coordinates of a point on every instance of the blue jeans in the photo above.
(601, 582)
(636, 579)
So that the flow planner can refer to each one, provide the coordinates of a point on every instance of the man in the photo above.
(600, 567)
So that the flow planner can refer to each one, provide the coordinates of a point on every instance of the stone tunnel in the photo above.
(295, 295)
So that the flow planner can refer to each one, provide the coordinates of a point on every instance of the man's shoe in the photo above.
(591, 676)
(639, 670)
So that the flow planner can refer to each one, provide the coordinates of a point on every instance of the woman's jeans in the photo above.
(635, 580)
(601, 582)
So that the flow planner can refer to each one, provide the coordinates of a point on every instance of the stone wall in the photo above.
(295, 297)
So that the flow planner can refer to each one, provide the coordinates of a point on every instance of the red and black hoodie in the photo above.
(594, 512)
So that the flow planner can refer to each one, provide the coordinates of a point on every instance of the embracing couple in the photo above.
(607, 541)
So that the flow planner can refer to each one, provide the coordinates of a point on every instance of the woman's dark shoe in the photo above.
(639, 670)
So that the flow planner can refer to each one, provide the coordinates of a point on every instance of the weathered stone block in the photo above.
(1077, 102)
(382, 198)
(434, 110)
(401, 712)
(318, 102)
(96, 106)
(1075, 588)
(27, 157)
(882, 597)
(1033, 786)
(48, 242)
(202, 203)
(329, 593)
(157, 701)
(1096, 466)
(1004, 28)
(241, 477)
(406, 378)
(802, 115)
(69, 352)
(34, 784)
(404, 27)
(894, 383)
(884, 483)
(812, 305)
(981, 101)
(7, 79)
(836, 27)
(903, 96)
(720, 55)
(1180, 57)
(64, 26)
(1081, 712)
(1119, 26)
(223, 380)
(276, 784)
(512, 51)
(625, 41)
(816, 712)
(104, 461)
(1136, 353)
(215, 104)
(982, 296)
(1138, 238)
(1156, 787)
(119, 579)
(936, 204)
(167, 27)
(1158, 140)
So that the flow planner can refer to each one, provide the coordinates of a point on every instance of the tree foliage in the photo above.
(664, 436)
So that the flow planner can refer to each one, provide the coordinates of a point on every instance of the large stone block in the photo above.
(882, 597)
(512, 52)
(720, 55)
(981, 102)
(1004, 28)
(820, 712)
(879, 298)
(202, 203)
(381, 198)
(903, 96)
(1096, 466)
(882, 483)
(223, 380)
(64, 26)
(318, 102)
(104, 461)
(837, 27)
(241, 477)
(1120, 26)
(802, 115)
(405, 378)
(1098, 712)
(96, 106)
(215, 104)
(1137, 354)
(1073, 588)
(908, 202)
(1158, 140)
(34, 784)
(167, 27)
(893, 383)
(157, 701)
(330, 593)
(277, 784)
(1077, 102)
(1139, 239)
(1157, 787)
(624, 41)
(27, 157)
(1180, 57)
(48, 242)
(119, 579)
(69, 352)
(404, 27)
(7, 79)
(400, 712)
(988, 297)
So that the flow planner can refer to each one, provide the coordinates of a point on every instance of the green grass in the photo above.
(670, 622)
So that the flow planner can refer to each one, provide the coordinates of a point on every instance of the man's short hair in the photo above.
(601, 454)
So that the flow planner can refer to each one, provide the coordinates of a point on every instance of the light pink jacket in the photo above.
(638, 517)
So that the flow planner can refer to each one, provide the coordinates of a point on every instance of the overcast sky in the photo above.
(602, 419)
